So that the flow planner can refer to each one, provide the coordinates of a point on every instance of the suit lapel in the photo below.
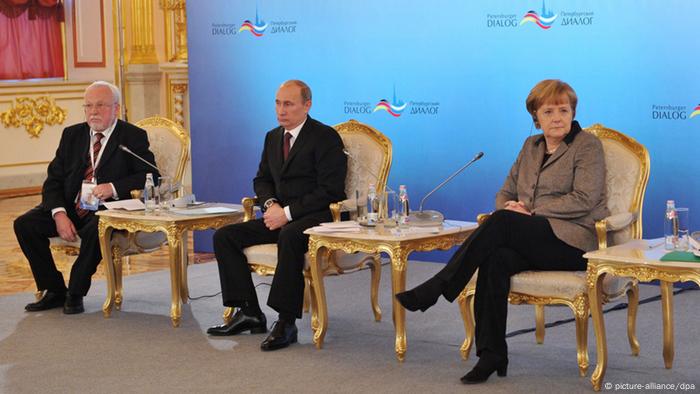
(85, 146)
(111, 146)
(556, 155)
(298, 143)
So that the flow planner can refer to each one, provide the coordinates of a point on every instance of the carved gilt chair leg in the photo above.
(376, 271)
(466, 308)
(227, 315)
(539, 323)
(581, 317)
(633, 304)
(117, 261)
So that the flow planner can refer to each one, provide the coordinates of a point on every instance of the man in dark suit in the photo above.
(88, 167)
(302, 171)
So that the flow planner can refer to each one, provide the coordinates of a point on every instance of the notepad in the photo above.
(203, 211)
(680, 256)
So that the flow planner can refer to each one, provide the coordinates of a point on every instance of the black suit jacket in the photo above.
(67, 169)
(312, 177)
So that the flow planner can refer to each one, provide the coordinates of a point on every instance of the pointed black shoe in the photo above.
(422, 296)
(73, 305)
(50, 300)
(282, 335)
(484, 368)
(240, 322)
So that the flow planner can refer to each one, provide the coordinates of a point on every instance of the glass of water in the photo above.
(682, 227)
(165, 191)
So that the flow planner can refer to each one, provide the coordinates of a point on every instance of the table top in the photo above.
(392, 234)
(171, 216)
(639, 252)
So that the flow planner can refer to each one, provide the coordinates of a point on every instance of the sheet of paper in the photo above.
(341, 225)
(133, 204)
(203, 211)
(326, 229)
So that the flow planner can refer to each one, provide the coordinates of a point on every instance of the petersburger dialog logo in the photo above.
(545, 19)
(257, 28)
(674, 112)
(395, 107)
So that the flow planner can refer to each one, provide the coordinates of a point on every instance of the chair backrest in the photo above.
(170, 144)
(627, 162)
(369, 159)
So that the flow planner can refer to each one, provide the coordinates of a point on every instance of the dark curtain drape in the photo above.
(30, 39)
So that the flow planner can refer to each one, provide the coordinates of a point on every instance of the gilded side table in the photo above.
(397, 245)
(639, 260)
(175, 227)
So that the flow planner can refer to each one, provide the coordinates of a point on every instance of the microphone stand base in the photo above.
(427, 218)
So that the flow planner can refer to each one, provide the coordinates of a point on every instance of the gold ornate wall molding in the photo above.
(143, 49)
(33, 114)
(175, 30)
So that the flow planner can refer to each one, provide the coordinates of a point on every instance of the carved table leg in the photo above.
(104, 233)
(320, 308)
(667, 312)
(175, 280)
(398, 284)
(595, 295)
(184, 288)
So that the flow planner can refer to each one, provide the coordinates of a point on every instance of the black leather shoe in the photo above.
(50, 300)
(422, 296)
(282, 335)
(240, 322)
(484, 368)
(73, 305)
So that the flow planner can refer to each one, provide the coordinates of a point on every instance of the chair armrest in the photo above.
(481, 218)
(249, 207)
(612, 223)
(335, 208)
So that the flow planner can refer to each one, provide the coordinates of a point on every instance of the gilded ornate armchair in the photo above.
(369, 161)
(170, 144)
(627, 163)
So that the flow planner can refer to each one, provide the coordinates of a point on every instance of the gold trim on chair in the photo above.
(580, 303)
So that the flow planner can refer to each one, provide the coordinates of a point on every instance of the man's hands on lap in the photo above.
(103, 191)
(65, 227)
(274, 217)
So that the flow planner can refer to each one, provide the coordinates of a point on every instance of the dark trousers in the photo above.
(33, 230)
(287, 290)
(507, 243)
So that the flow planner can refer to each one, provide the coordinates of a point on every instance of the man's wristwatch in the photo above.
(268, 203)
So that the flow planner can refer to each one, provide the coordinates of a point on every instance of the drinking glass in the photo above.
(682, 215)
(165, 192)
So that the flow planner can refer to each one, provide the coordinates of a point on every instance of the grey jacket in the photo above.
(569, 189)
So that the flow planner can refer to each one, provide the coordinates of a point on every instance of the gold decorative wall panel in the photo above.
(142, 49)
(33, 114)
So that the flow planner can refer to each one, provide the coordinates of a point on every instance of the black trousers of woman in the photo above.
(507, 243)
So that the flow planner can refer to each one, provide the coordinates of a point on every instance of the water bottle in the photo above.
(149, 193)
(404, 208)
(670, 226)
(372, 205)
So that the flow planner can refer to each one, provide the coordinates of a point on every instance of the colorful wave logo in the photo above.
(695, 112)
(395, 108)
(544, 21)
(257, 28)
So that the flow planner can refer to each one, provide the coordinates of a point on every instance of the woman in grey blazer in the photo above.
(545, 220)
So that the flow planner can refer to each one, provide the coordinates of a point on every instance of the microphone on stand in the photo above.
(435, 218)
(173, 188)
(129, 151)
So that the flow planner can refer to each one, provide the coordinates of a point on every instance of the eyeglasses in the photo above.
(98, 106)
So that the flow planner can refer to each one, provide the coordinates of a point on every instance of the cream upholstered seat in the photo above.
(369, 150)
(170, 144)
(627, 163)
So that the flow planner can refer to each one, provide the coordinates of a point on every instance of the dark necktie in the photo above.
(285, 148)
(90, 171)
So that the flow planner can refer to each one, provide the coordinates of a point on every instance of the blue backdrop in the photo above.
(455, 76)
